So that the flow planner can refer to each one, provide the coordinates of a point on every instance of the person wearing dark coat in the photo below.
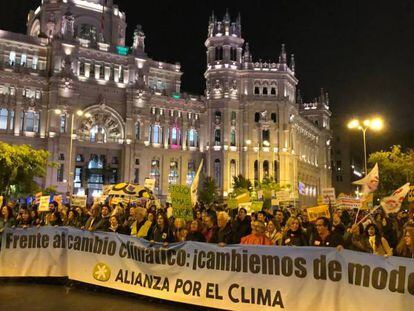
(241, 226)
(162, 232)
(294, 236)
(223, 235)
(195, 234)
(324, 236)
(115, 227)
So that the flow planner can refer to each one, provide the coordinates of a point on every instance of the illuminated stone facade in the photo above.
(136, 123)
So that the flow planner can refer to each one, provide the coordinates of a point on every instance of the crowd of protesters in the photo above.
(380, 234)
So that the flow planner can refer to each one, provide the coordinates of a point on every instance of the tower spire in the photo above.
(292, 63)
(282, 56)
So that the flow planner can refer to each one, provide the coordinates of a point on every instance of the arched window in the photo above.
(233, 137)
(191, 171)
(12, 58)
(275, 174)
(97, 134)
(155, 134)
(273, 117)
(137, 130)
(256, 170)
(232, 170)
(175, 136)
(219, 53)
(95, 162)
(256, 90)
(264, 92)
(192, 138)
(217, 137)
(82, 68)
(173, 176)
(217, 172)
(4, 114)
(88, 32)
(265, 137)
(266, 169)
(257, 117)
(233, 54)
(273, 91)
(217, 115)
(30, 121)
(155, 174)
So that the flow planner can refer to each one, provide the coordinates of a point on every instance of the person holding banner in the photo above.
(6, 218)
(257, 237)
(325, 237)
(405, 247)
(241, 225)
(372, 242)
(223, 235)
(294, 236)
(25, 220)
(273, 232)
(162, 232)
(93, 220)
(195, 232)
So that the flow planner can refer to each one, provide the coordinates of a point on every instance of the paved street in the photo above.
(18, 295)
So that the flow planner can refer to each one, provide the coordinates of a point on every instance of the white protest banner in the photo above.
(149, 183)
(78, 200)
(240, 277)
(347, 202)
(44, 203)
(328, 195)
(369, 182)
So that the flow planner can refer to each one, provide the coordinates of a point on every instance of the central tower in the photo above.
(224, 59)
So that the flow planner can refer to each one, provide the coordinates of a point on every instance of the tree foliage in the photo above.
(241, 185)
(19, 166)
(209, 193)
(396, 168)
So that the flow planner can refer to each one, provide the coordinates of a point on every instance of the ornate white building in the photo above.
(72, 72)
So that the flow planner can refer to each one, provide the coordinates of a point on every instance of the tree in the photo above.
(20, 165)
(241, 185)
(209, 191)
(395, 169)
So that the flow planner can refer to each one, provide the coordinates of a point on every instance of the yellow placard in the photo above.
(1, 200)
(318, 211)
(44, 203)
(274, 202)
(243, 198)
(410, 196)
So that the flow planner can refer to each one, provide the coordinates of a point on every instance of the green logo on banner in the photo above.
(101, 272)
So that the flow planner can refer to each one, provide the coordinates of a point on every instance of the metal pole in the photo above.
(364, 130)
(70, 173)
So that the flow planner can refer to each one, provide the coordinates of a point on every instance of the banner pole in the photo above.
(370, 213)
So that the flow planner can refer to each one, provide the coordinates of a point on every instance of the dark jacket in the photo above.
(163, 236)
(332, 240)
(92, 223)
(241, 228)
(196, 236)
(103, 224)
(223, 235)
(295, 238)
(120, 229)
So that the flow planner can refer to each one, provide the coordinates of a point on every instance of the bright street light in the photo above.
(375, 124)
(58, 111)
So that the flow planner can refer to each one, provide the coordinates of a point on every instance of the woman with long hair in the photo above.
(162, 232)
(273, 232)
(372, 242)
(405, 247)
(7, 219)
(294, 235)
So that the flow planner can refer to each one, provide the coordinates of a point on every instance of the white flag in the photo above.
(392, 203)
(194, 184)
(370, 182)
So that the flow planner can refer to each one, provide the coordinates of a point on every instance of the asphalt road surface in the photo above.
(16, 295)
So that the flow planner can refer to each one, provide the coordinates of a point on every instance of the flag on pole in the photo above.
(392, 204)
(370, 182)
(194, 184)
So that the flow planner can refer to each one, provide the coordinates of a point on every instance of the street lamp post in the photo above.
(375, 124)
(79, 113)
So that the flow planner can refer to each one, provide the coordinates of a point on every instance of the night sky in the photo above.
(361, 52)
